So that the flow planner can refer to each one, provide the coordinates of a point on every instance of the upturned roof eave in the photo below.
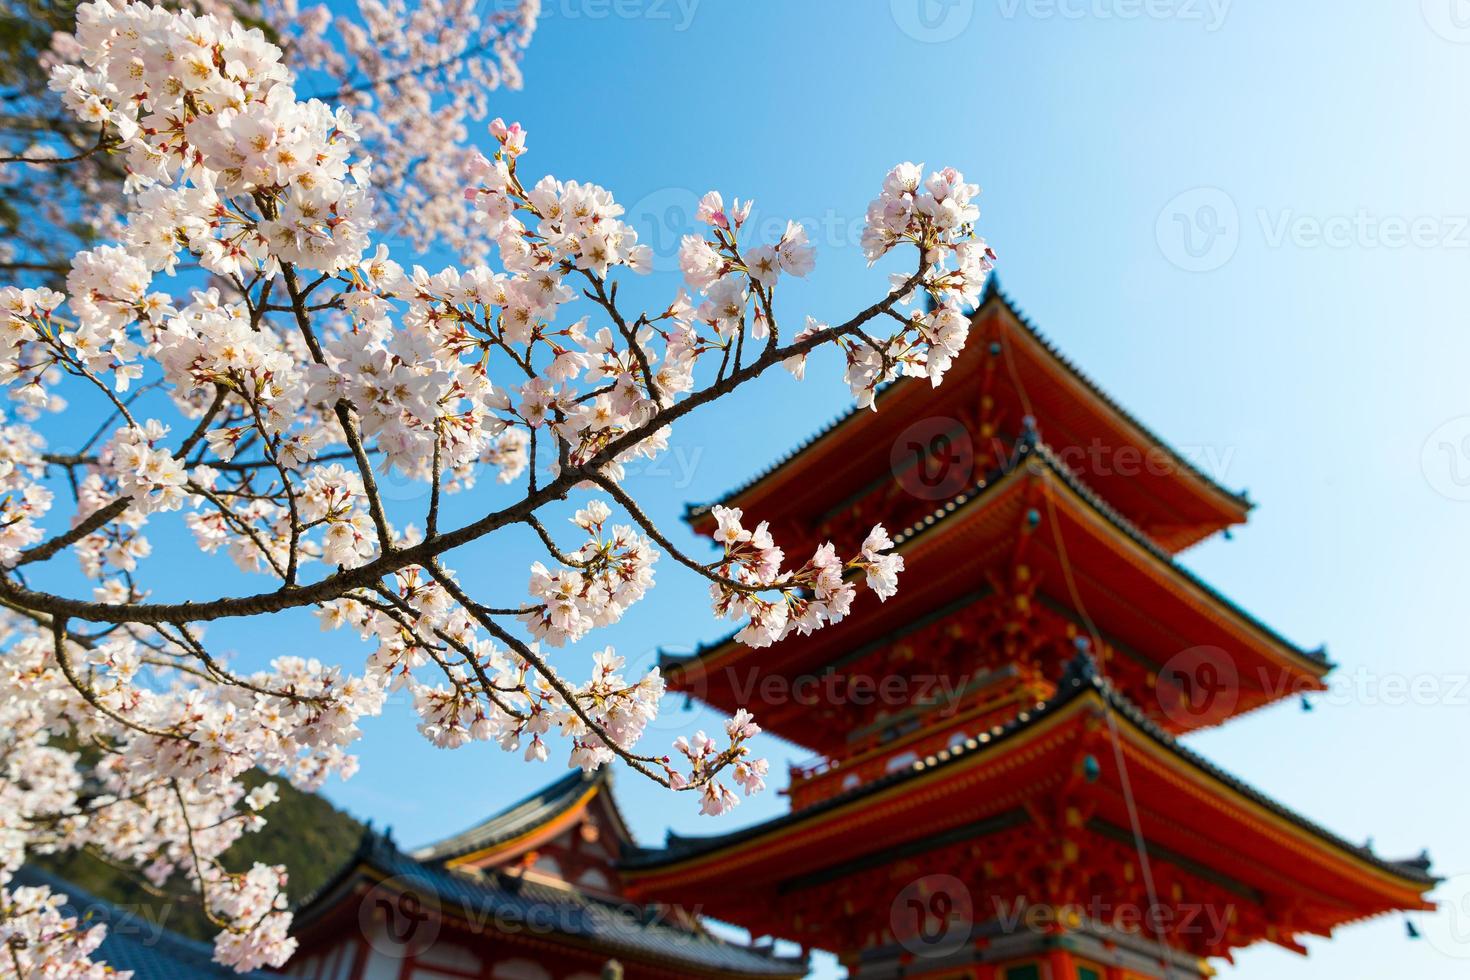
(379, 861)
(1081, 680)
(522, 817)
(1313, 661)
(1239, 501)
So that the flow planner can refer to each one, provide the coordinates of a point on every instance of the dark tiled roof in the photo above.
(993, 293)
(516, 902)
(1080, 678)
(138, 942)
(533, 811)
(1029, 448)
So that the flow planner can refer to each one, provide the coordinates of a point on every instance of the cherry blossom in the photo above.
(315, 366)
(414, 75)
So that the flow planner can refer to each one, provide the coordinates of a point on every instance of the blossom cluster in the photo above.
(610, 572)
(45, 941)
(165, 796)
(206, 117)
(704, 755)
(24, 501)
(817, 594)
(413, 75)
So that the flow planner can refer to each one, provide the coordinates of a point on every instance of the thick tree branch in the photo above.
(340, 583)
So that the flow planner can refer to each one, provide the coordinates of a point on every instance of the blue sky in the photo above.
(1248, 222)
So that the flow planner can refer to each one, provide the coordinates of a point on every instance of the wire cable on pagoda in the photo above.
(1139, 843)
(1134, 821)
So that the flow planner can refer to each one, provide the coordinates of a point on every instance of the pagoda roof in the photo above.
(1403, 881)
(948, 510)
(1035, 458)
(1237, 503)
(1047, 456)
(516, 903)
(524, 818)
(1081, 680)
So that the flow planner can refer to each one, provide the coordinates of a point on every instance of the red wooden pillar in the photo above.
(359, 959)
(1060, 964)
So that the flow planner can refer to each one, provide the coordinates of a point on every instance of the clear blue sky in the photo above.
(1248, 221)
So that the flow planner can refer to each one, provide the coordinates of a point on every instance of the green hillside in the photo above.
(312, 838)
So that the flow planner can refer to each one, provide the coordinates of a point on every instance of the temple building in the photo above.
(532, 893)
(997, 790)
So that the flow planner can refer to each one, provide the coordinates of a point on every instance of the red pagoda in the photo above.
(999, 792)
